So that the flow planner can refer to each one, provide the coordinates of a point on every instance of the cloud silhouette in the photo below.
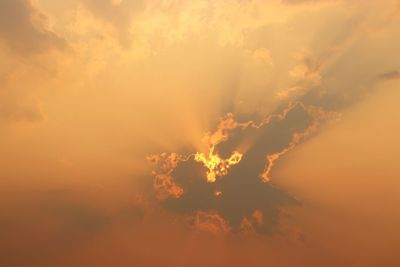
(242, 195)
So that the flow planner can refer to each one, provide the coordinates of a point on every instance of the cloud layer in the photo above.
(237, 101)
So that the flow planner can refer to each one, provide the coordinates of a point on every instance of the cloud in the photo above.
(390, 75)
(17, 108)
(23, 28)
(44, 222)
(239, 194)
(119, 14)
(307, 1)
(185, 77)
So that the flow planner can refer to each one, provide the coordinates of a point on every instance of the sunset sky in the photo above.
(199, 133)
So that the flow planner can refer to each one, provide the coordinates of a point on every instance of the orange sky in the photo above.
(93, 92)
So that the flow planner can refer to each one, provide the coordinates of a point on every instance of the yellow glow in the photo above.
(216, 165)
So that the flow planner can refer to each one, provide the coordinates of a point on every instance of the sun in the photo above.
(216, 165)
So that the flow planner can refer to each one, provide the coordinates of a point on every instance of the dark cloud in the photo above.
(242, 193)
(23, 28)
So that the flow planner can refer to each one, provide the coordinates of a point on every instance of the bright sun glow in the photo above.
(216, 165)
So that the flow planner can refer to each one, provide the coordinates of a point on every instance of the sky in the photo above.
(199, 133)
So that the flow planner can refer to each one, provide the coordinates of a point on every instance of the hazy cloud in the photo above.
(119, 14)
(13, 108)
(23, 28)
(153, 76)
(390, 75)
